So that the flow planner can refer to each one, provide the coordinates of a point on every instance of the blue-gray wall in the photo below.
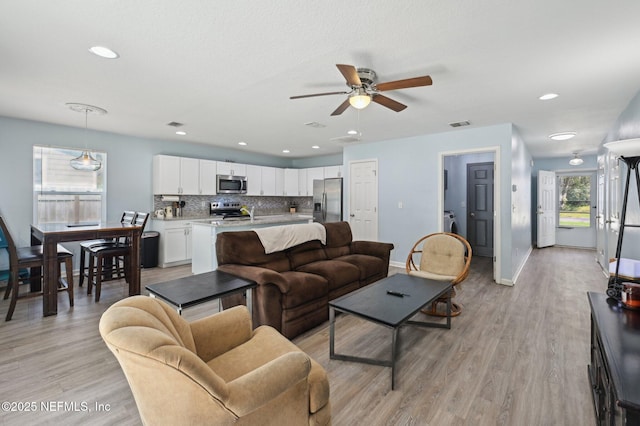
(408, 172)
(129, 163)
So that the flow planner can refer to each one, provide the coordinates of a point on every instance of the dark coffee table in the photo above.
(374, 304)
(200, 288)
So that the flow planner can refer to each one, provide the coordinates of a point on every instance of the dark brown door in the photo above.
(480, 208)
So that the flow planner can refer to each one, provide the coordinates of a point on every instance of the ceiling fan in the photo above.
(365, 88)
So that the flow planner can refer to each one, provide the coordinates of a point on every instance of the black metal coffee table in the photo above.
(200, 288)
(374, 303)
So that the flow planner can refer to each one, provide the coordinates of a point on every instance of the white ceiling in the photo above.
(226, 68)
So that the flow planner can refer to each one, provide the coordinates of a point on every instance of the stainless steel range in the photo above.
(224, 210)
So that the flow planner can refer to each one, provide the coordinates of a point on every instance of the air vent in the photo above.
(314, 124)
(345, 139)
(175, 124)
(460, 124)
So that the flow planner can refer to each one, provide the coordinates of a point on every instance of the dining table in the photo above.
(51, 234)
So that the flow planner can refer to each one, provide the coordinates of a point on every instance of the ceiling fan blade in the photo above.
(405, 84)
(318, 94)
(350, 74)
(342, 108)
(387, 102)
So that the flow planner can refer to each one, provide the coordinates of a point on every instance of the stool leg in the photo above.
(91, 270)
(69, 264)
(98, 276)
(82, 259)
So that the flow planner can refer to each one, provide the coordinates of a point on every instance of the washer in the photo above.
(449, 222)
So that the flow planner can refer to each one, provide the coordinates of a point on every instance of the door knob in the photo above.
(472, 214)
(352, 215)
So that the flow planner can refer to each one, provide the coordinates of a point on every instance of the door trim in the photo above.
(497, 222)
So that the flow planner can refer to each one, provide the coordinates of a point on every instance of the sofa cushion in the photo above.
(338, 239)
(337, 273)
(304, 288)
(304, 253)
(245, 248)
(369, 266)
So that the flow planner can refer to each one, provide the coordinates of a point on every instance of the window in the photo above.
(575, 201)
(63, 194)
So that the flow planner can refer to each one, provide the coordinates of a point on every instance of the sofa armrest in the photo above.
(265, 383)
(262, 276)
(221, 332)
(372, 248)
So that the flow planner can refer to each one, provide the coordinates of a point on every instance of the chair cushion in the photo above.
(442, 255)
(32, 253)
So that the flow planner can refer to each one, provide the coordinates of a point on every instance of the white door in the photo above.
(546, 208)
(363, 199)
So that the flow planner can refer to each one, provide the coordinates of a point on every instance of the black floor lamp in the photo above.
(625, 289)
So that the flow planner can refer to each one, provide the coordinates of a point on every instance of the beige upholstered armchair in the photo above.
(444, 257)
(216, 370)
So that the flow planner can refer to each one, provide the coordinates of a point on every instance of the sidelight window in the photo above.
(63, 194)
(574, 201)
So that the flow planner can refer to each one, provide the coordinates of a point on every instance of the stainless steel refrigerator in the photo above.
(327, 200)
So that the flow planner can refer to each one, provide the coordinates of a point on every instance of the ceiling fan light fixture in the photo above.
(360, 99)
(576, 161)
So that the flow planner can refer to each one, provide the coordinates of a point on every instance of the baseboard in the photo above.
(521, 267)
(397, 264)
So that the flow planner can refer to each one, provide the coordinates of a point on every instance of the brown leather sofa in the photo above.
(296, 284)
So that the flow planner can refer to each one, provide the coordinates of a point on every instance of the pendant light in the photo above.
(86, 161)
(576, 161)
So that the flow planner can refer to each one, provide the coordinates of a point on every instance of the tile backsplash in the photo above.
(198, 205)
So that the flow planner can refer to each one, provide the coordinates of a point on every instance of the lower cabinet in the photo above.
(175, 242)
(613, 378)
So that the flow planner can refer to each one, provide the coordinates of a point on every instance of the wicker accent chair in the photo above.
(441, 256)
(215, 370)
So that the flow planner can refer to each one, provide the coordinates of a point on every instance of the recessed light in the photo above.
(315, 147)
(103, 52)
(286, 151)
(563, 136)
(242, 143)
(548, 96)
(181, 132)
(352, 132)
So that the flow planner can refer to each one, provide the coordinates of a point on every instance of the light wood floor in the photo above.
(516, 356)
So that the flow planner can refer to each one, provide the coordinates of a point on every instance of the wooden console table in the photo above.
(614, 372)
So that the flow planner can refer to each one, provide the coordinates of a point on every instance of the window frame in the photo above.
(583, 173)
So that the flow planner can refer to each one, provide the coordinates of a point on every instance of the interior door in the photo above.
(546, 209)
(363, 199)
(600, 215)
(480, 208)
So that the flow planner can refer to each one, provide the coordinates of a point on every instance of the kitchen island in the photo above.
(205, 232)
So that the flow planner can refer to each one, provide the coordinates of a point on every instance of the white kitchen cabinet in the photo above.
(208, 171)
(269, 181)
(291, 187)
(175, 241)
(279, 191)
(254, 180)
(332, 172)
(302, 182)
(313, 174)
(175, 175)
(233, 169)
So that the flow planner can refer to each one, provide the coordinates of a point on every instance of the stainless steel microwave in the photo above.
(230, 184)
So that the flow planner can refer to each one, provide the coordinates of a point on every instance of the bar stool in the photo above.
(32, 257)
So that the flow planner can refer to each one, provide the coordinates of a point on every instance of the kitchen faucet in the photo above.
(244, 210)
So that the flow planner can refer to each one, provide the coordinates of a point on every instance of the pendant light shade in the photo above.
(625, 148)
(576, 161)
(85, 161)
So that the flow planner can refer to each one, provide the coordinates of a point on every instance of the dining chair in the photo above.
(86, 246)
(32, 257)
(118, 256)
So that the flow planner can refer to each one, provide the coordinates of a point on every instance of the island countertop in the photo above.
(257, 220)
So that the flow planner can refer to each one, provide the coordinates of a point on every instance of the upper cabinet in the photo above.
(332, 172)
(233, 169)
(208, 171)
(176, 175)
